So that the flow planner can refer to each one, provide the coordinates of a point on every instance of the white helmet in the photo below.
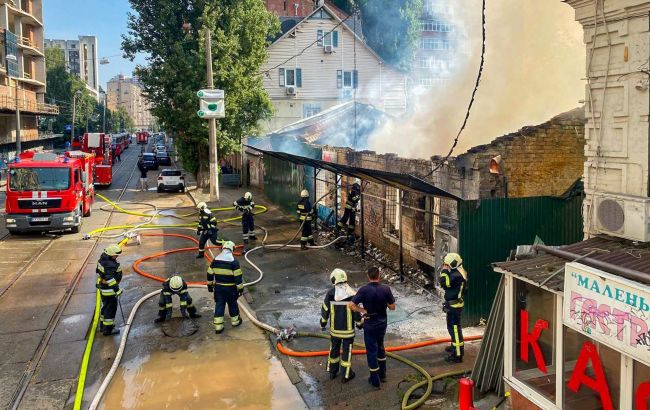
(175, 283)
(338, 276)
(230, 245)
(248, 196)
(201, 205)
(304, 193)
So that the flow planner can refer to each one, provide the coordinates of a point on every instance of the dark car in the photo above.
(150, 161)
(163, 158)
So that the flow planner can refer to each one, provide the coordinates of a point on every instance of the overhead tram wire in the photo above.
(471, 101)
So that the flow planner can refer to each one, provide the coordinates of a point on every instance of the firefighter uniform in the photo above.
(245, 205)
(225, 280)
(207, 229)
(305, 213)
(109, 276)
(349, 219)
(453, 280)
(175, 286)
(342, 321)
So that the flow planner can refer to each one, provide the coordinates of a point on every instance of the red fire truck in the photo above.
(123, 140)
(100, 145)
(143, 137)
(49, 192)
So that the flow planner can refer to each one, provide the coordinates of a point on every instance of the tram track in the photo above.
(34, 362)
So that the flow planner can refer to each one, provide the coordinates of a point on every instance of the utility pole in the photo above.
(212, 123)
(18, 137)
(74, 107)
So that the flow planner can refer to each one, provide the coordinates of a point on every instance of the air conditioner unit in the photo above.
(624, 216)
(328, 49)
(291, 89)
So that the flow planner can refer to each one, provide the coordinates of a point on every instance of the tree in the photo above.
(171, 33)
(121, 120)
(391, 27)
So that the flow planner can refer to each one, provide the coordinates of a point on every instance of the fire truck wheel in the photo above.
(90, 211)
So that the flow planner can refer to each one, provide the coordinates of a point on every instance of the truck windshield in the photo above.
(39, 179)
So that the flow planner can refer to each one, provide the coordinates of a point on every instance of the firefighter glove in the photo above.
(119, 292)
(210, 288)
(240, 292)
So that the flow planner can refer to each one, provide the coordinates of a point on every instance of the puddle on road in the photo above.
(228, 374)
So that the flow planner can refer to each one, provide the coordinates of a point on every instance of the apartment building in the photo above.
(127, 92)
(81, 58)
(22, 69)
(433, 60)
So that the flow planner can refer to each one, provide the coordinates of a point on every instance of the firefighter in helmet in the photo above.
(245, 205)
(305, 213)
(225, 280)
(175, 286)
(335, 309)
(349, 219)
(109, 276)
(453, 279)
(207, 228)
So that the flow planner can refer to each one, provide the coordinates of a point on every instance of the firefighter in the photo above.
(225, 280)
(245, 205)
(453, 279)
(175, 286)
(305, 213)
(349, 219)
(336, 309)
(207, 228)
(108, 282)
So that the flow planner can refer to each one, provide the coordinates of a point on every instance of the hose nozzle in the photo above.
(86, 237)
(287, 334)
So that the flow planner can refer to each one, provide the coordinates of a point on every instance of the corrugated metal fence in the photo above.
(490, 229)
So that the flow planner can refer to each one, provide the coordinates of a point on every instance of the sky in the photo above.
(105, 19)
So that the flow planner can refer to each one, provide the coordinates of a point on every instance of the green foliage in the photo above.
(391, 27)
(171, 33)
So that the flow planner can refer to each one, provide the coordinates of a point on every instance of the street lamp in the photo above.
(13, 58)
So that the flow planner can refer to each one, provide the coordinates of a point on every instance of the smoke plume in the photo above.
(534, 62)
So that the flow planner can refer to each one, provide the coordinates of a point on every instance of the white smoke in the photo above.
(534, 62)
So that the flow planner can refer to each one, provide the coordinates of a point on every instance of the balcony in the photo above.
(26, 101)
(29, 46)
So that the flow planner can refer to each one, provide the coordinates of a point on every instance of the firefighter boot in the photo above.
(159, 320)
(246, 241)
(382, 371)
(350, 377)
(237, 323)
(110, 331)
(192, 311)
(312, 242)
(303, 246)
(200, 255)
(454, 359)
(449, 349)
(333, 369)
(374, 379)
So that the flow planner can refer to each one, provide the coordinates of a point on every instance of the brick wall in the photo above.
(287, 7)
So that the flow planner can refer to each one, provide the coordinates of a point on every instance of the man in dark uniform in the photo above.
(245, 205)
(305, 212)
(207, 228)
(175, 286)
(226, 281)
(335, 309)
(453, 279)
(109, 276)
(371, 301)
(349, 219)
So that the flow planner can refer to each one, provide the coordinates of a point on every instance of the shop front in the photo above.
(578, 343)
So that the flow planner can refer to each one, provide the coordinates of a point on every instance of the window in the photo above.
(434, 44)
(436, 26)
(586, 398)
(425, 82)
(329, 38)
(309, 110)
(532, 305)
(641, 375)
(347, 79)
(290, 77)
(392, 210)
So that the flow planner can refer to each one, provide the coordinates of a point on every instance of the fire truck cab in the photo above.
(49, 192)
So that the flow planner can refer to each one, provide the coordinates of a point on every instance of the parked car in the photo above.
(150, 161)
(163, 158)
(158, 148)
(171, 179)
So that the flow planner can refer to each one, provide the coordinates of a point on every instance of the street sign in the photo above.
(212, 104)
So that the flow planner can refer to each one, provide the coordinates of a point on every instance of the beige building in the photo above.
(333, 65)
(22, 69)
(127, 92)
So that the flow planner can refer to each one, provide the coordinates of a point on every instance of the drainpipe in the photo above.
(594, 263)
(336, 199)
(401, 236)
(363, 237)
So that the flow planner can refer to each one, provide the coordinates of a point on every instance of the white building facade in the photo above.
(81, 58)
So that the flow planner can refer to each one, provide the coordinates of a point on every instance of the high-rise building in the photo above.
(127, 93)
(433, 60)
(22, 69)
(81, 58)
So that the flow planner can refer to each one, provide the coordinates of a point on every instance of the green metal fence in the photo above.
(490, 229)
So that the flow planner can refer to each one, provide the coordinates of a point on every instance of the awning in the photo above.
(404, 182)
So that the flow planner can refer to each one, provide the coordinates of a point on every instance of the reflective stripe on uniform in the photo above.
(342, 334)
(325, 307)
(458, 344)
(447, 281)
(107, 292)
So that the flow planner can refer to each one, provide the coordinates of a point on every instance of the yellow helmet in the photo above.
(201, 205)
(230, 245)
(248, 196)
(304, 193)
(453, 260)
(338, 276)
(113, 250)
(176, 283)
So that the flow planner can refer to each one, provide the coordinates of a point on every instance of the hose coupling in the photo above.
(287, 334)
